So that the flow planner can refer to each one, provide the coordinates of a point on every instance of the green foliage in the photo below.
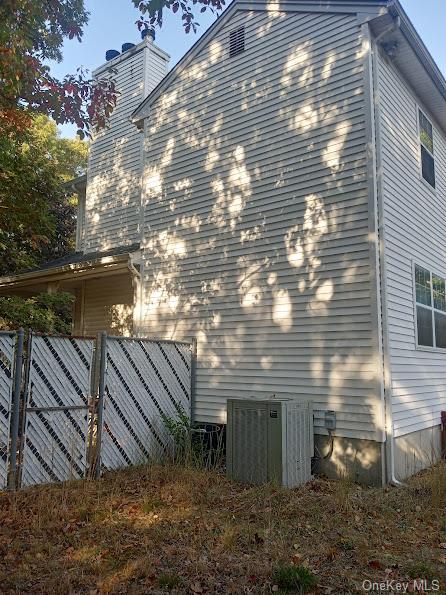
(31, 33)
(153, 10)
(294, 579)
(192, 445)
(37, 215)
(152, 505)
(68, 157)
(180, 428)
(420, 570)
(45, 312)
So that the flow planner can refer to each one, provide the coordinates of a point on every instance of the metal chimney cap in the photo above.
(111, 54)
(148, 32)
(127, 46)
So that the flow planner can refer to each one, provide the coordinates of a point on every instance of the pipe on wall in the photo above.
(443, 434)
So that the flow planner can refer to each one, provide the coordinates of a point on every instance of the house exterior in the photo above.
(103, 272)
(285, 205)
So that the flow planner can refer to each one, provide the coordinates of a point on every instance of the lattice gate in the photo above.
(56, 423)
(144, 379)
(86, 406)
(7, 353)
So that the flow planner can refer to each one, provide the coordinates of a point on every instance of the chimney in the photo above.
(114, 167)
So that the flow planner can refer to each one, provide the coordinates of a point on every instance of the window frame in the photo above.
(420, 110)
(430, 308)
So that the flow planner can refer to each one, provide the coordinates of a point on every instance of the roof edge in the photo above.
(138, 114)
(419, 47)
(347, 6)
(64, 269)
(394, 7)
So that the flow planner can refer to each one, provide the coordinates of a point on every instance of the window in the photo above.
(236, 42)
(430, 290)
(427, 149)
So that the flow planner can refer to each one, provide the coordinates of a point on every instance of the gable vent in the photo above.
(236, 42)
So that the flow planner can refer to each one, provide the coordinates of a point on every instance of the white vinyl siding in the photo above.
(108, 305)
(156, 69)
(256, 233)
(112, 212)
(415, 233)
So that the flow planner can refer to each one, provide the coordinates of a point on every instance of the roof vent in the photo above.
(110, 54)
(150, 32)
(127, 46)
(236, 42)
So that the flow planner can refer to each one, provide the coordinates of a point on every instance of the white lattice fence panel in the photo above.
(7, 350)
(143, 380)
(56, 425)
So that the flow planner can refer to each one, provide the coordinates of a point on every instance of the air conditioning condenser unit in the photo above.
(270, 440)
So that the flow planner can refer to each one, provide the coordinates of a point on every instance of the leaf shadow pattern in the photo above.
(256, 233)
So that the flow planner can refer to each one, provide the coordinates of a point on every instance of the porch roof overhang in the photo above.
(73, 268)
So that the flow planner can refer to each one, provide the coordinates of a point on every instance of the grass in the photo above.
(420, 570)
(168, 581)
(292, 579)
(173, 530)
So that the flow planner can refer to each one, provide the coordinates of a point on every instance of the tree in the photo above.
(37, 215)
(152, 11)
(68, 159)
(44, 313)
(32, 32)
(68, 156)
(36, 219)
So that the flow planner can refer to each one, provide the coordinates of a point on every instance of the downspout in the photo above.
(388, 416)
(133, 270)
(136, 282)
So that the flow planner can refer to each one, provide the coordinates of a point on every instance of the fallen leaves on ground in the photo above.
(166, 529)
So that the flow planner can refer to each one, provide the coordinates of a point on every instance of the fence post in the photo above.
(193, 377)
(15, 413)
(100, 416)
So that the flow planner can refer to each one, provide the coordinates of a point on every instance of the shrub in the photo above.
(44, 313)
(190, 446)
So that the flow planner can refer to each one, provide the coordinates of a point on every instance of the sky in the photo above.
(112, 23)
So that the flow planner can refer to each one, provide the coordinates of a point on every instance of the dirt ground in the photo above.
(167, 529)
